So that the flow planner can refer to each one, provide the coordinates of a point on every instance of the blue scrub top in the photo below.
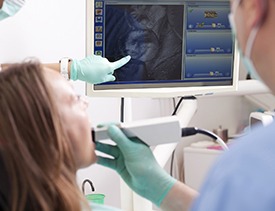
(244, 177)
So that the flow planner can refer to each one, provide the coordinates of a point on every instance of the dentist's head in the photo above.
(10, 7)
(253, 23)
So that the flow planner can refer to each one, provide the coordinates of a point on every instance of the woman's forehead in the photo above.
(60, 86)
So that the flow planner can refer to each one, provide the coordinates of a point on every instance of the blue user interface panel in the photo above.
(171, 43)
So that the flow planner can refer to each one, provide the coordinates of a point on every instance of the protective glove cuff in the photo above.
(73, 72)
(163, 189)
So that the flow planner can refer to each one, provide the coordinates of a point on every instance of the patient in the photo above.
(44, 139)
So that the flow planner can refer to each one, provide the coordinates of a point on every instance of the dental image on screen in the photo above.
(152, 37)
(179, 43)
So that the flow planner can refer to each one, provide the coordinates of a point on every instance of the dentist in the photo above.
(243, 176)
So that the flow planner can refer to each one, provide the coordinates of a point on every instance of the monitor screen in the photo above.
(177, 47)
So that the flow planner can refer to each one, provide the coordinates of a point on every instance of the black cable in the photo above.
(174, 102)
(172, 162)
(173, 114)
(122, 104)
(180, 101)
(205, 132)
(189, 131)
(177, 106)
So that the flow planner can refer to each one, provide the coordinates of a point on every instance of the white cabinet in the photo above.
(197, 162)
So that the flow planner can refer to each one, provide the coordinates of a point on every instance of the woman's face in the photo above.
(73, 113)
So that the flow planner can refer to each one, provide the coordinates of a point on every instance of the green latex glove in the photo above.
(136, 164)
(96, 69)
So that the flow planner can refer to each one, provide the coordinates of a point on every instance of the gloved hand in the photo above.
(136, 164)
(95, 69)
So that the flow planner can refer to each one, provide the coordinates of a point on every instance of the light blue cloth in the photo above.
(244, 177)
(101, 207)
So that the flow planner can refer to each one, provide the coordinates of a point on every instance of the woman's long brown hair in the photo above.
(36, 154)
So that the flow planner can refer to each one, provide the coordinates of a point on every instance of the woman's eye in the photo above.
(78, 98)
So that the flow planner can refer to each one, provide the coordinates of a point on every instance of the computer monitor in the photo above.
(178, 47)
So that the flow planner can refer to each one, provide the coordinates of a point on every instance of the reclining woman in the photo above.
(44, 138)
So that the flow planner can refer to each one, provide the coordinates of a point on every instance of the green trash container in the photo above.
(93, 197)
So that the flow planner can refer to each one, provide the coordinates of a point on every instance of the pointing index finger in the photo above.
(119, 63)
